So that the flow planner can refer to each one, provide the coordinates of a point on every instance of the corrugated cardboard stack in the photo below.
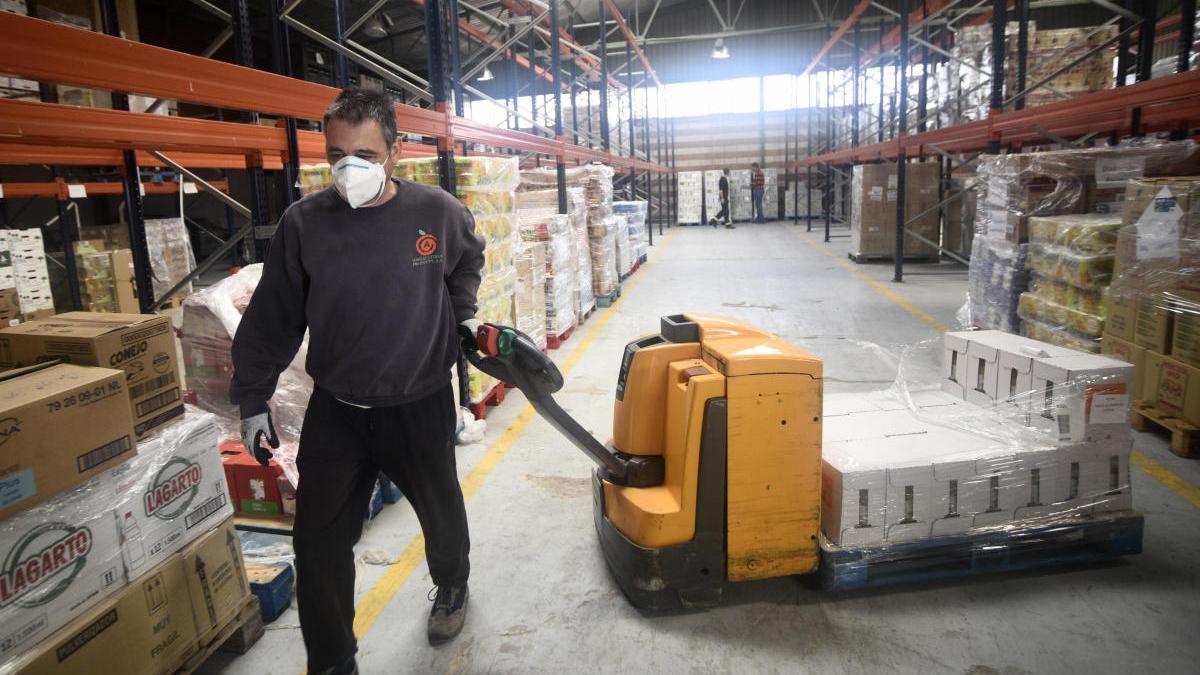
(529, 302)
(1050, 50)
(873, 194)
(1071, 259)
(690, 196)
(106, 281)
(595, 180)
(107, 539)
(581, 254)
(636, 215)
(486, 186)
(1154, 308)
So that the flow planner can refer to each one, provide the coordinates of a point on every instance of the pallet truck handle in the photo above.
(521, 363)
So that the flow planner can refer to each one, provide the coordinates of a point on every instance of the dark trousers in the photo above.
(342, 450)
(723, 215)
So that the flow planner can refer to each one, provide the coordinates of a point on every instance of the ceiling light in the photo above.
(487, 75)
(720, 51)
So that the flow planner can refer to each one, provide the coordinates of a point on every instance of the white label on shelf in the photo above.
(891, 195)
(893, 181)
(142, 189)
(189, 188)
(1158, 227)
(76, 191)
(1, 192)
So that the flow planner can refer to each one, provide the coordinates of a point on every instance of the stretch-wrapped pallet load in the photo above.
(690, 197)
(1012, 189)
(740, 201)
(637, 214)
(624, 246)
(712, 193)
(560, 287)
(581, 255)
(1071, 263)
(806, 197)
(1018, 435)
(529, 303)
(596, 182)
(171, 256)
(771, 193)
(1154, 303)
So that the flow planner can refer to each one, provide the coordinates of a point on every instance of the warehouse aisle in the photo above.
(541, 596)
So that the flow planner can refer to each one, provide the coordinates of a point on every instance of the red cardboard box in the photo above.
(253, 487)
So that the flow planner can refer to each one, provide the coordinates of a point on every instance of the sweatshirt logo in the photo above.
(427, 250)
(173, 489)
(426, 243)
(43, 564)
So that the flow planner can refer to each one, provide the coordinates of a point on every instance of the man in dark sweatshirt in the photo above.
(383, 274)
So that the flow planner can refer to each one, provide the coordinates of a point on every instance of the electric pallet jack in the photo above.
(714, 470)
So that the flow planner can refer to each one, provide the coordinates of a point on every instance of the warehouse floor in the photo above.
(541, 596)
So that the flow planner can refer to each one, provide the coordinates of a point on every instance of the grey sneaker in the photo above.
(448, 615)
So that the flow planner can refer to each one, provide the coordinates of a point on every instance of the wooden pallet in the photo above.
(1185, 437)
(861, 258)
(241, 629)
(555, 341)
(1064, 542)
(603, 301)
(493, 398)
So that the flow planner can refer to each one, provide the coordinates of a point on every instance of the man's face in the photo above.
(365, 141)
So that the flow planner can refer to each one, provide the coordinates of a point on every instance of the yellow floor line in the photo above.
(1152, 468)
(377, 599)
(1165, 476)
(887, 292)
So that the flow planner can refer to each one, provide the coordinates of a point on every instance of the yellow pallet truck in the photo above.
(713, 474)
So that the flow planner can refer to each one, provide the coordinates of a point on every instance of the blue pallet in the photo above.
(608, 300)
(1068, 542)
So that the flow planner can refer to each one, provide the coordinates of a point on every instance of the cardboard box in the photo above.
(1155, 320)
(1128, 352)
(59, 426)
(1084, 398)
(873, 209)
(1185, 335)
(1160, 224)
(60, 559)
(10, 307)
(171, 493)
(123, 282)
(1122, 311)
(954, 362)
(146, 628)
(142, 345)
(255, 487)
(217, 580)
(1173, 386)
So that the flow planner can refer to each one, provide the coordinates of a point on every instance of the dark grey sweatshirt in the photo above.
(380, 289)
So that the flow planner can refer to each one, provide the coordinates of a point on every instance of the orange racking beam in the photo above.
(615, 13)
(50, 52)
(59, 189)
(837, 34)
(1169, 103)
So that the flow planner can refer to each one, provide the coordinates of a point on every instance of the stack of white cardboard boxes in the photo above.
(1020, 430)
(118, 547)
(27, 272)
(690, 197)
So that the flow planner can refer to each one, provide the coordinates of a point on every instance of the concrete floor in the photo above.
(541, 596)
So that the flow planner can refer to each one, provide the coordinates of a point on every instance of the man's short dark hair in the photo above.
(724, 170)
(355, 104)
(754, 165)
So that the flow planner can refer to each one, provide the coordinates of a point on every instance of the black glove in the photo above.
(254, 430)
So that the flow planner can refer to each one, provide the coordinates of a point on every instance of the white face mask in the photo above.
(358, 181)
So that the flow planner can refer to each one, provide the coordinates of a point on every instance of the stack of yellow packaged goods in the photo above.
(1071, 263)
(486, 185)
